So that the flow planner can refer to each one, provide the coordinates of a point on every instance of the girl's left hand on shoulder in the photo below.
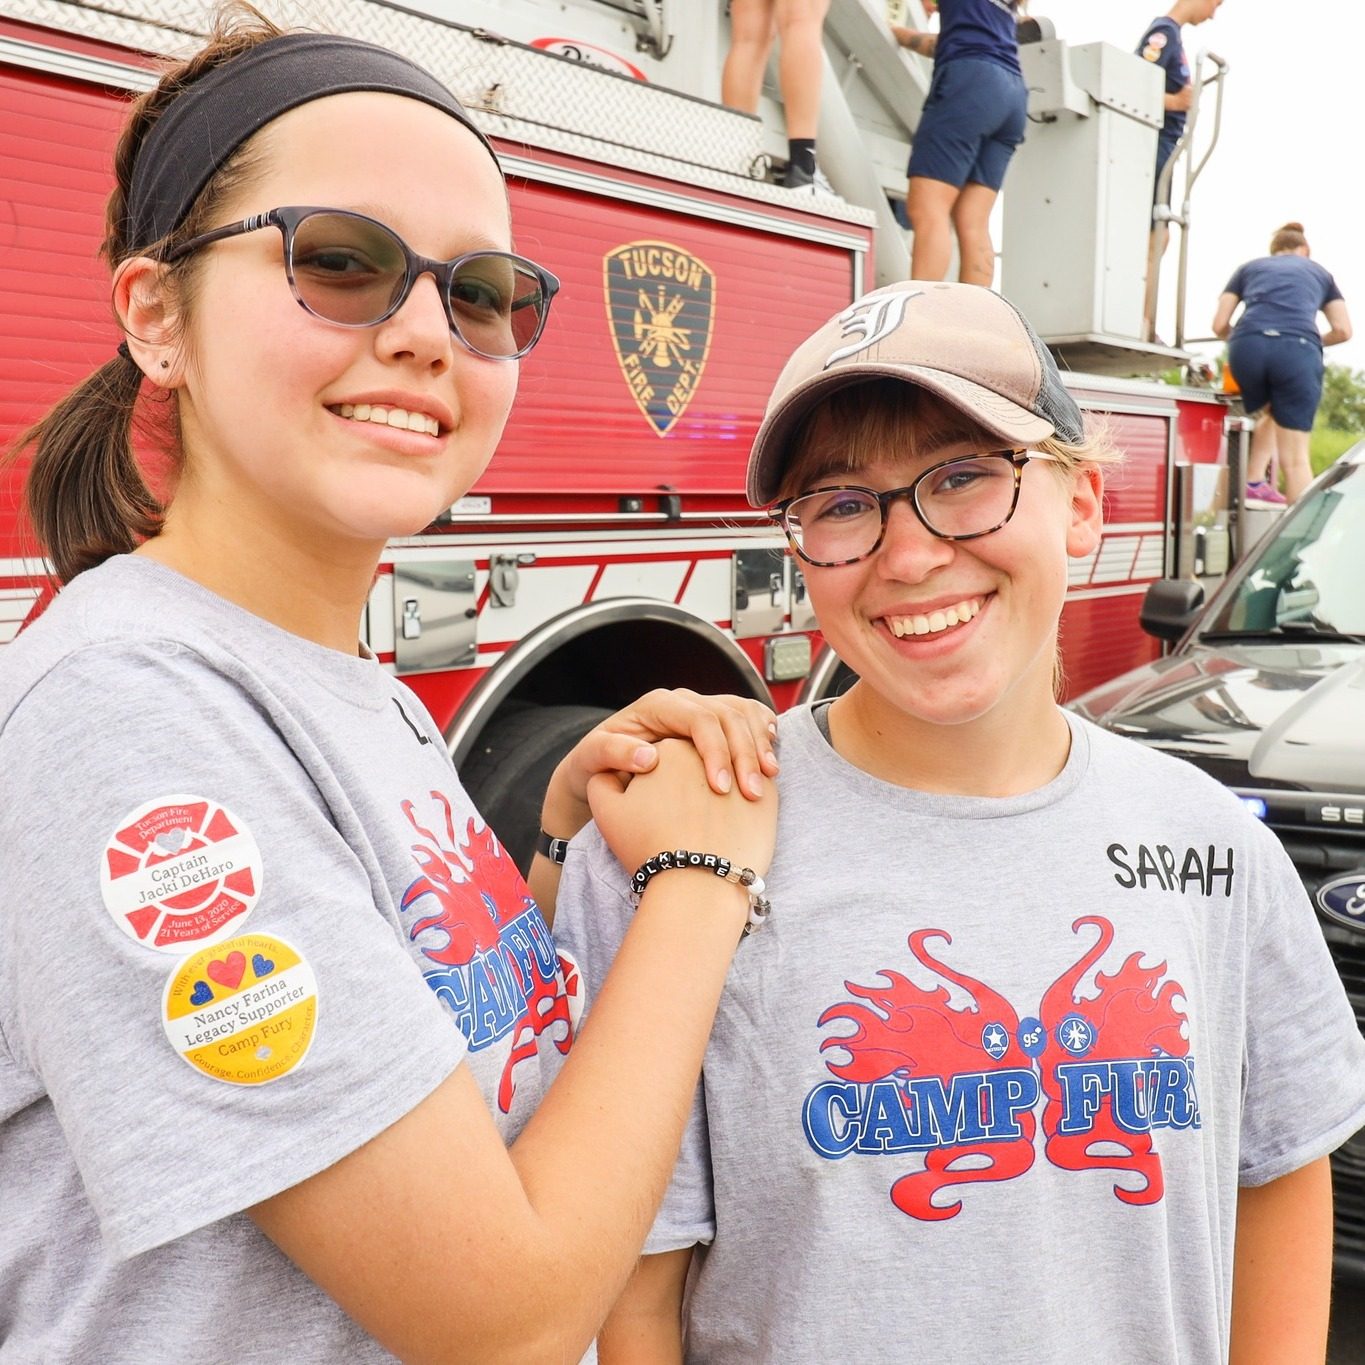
(733, 736)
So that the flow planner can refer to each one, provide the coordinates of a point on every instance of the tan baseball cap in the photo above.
(962, 342)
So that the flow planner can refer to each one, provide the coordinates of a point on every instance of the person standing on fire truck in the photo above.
(973, 119)
(797, 25)
(1163, 46)
(1021, 1070)
(234, 1118)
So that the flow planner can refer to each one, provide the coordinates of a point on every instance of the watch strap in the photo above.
(554, 849)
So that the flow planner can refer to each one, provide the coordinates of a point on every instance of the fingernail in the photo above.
(753, 784)
(645, 756)
(723, 780)
(772, 728)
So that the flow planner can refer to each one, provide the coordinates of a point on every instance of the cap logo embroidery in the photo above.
(870, 320)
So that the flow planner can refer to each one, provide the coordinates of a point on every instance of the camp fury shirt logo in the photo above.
(661, 301)
(954, 1093)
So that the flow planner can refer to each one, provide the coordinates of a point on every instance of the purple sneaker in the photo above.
(1265, 492)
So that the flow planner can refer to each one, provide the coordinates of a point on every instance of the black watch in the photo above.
(553, 849)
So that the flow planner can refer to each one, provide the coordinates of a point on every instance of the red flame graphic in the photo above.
(1129, 1018)
(470, 911)
(479, 891)
(909, 1032)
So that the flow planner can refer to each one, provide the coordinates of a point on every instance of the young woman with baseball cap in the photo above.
(1018, 1069)
(275, 1008)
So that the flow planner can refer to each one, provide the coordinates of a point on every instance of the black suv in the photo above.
(1265, 690)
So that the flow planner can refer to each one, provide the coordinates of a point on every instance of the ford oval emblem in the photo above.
(1343, 898)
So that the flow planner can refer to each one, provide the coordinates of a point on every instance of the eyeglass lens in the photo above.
(353, 271)
(958, 498)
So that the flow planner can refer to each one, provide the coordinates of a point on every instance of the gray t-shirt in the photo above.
(221, 841)
(985, 1085)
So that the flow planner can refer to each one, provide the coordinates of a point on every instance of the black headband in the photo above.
(202, 127)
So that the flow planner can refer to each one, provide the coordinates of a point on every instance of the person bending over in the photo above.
(1275, 354)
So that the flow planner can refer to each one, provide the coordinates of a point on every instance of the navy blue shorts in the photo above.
(1282, 371)
(973, 120)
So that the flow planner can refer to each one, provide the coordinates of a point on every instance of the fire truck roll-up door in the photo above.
(56, 145)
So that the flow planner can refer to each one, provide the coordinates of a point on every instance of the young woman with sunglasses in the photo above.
(1018, 1070)
(235, 1120)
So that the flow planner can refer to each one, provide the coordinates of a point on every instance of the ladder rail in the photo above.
(1193, 170)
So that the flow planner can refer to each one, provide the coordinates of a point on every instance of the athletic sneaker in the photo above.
(1264, 491)
(798, 178)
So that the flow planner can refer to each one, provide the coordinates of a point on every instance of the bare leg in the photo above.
(1156, 249)
(1263, 447)
(801, 62)
(930, 205)
(972, 219)
(1298, 471)
(752, 30)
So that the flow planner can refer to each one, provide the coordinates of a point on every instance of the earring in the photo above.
(165, 364)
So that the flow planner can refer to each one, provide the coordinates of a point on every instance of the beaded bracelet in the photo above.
(759, 907)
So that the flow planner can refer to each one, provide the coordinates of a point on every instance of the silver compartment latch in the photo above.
(504, 577)
(436, 615)
(758, 592)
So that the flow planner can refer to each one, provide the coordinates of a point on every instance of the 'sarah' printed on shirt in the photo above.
(1167, 870)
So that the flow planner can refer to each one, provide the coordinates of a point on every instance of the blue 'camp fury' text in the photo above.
(917, 1114)
(1166, 869)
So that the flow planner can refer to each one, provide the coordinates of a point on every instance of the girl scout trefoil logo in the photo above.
(661, 301)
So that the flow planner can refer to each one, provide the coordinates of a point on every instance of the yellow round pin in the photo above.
(242, 1011)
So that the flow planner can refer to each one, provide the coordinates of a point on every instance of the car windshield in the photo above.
(1308, 578)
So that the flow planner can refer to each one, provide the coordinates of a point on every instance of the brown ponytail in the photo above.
(1288, 238)
(85, 493)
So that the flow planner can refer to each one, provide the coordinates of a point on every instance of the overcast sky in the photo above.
(1292, 145)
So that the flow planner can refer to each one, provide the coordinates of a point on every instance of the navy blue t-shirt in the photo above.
(1161, 44)
(984, 29)
(1282, 294)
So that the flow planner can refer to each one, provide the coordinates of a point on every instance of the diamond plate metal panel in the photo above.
(515, 93)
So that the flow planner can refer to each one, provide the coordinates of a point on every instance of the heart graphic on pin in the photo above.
(228, 971)
(172, 840)
(257, 1028)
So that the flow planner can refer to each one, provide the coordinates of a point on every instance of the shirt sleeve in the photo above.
(163, 1146)
(1304, 1077)
(1237, 284)
(1163, 48)
(1331, 291)
(592, 913)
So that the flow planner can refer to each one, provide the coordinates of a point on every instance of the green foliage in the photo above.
(1343, 400)
(1327, 444)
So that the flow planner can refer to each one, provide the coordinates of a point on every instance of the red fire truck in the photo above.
(610, 549)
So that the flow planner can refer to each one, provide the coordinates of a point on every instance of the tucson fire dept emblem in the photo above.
(660, 304)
